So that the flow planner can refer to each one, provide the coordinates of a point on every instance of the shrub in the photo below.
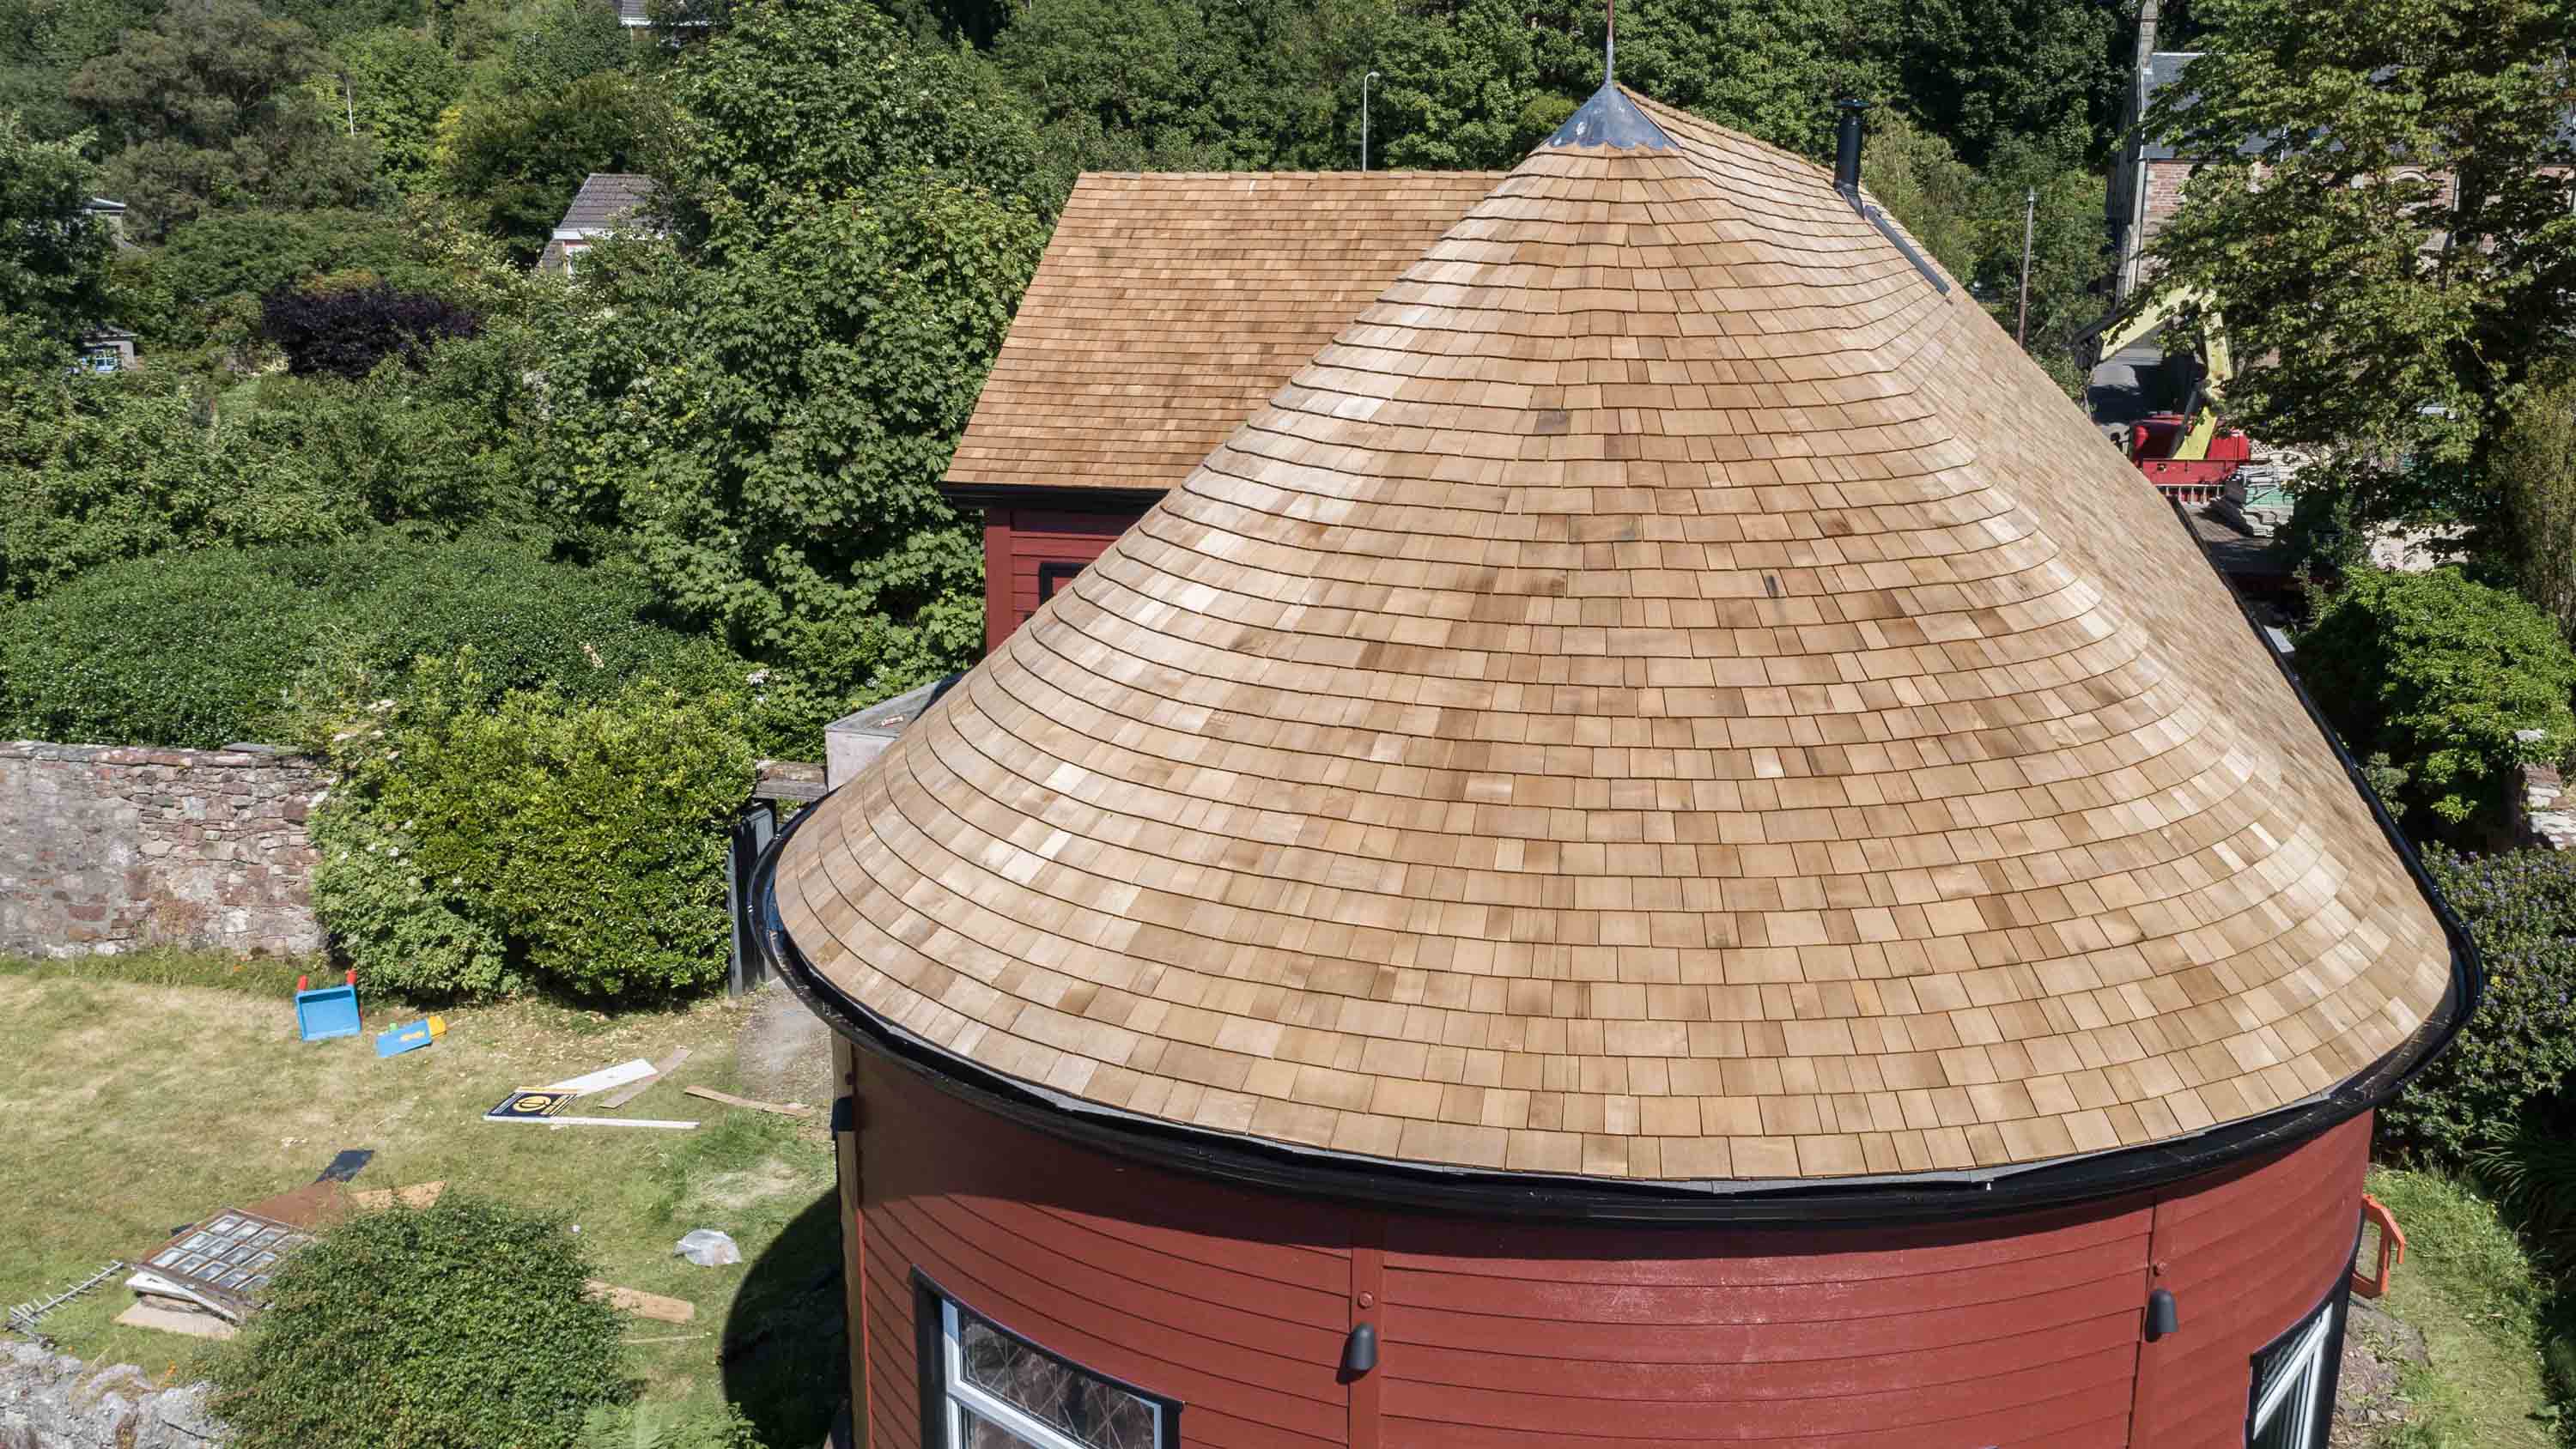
(589, 836)
(348, 331)
(191, 649)
(2515, 1054)
(2440, 673)
(208, 647)
(463, 1325)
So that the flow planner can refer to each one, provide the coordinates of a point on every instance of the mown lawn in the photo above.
(135, 1106)
(2486, 1316)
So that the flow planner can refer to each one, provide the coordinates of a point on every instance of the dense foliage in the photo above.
(2441, 674)
(2399, 314)
(2513, 1059)
(467, 1323)
(2534, 467)
(53, 258)
(771, 434)
(135, 651)
(348, 332)
(475, 847)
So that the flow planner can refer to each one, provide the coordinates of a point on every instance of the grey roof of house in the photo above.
(631, 12)
(606, 198)
(2163, 69)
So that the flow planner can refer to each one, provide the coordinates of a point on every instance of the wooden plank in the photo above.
(595, 1122)
(663, 1068)
(172, 1320)
(606, 1077)
(418, 1195)
(640, 1303)
(792, 1109)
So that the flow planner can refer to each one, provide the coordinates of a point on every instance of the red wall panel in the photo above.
(2020, 1331)
(1020, 542)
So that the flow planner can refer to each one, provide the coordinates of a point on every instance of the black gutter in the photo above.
(1902, 1198)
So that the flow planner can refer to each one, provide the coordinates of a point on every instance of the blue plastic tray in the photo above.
(326, 1012)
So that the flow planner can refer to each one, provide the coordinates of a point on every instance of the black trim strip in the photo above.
(1064, 500)
(1917, 1197)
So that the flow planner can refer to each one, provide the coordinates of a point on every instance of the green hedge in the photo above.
(474, 848)
(208, 647)
(466, 1324)
(2439, 673)
(2514, 1057)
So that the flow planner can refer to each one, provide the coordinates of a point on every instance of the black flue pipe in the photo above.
(1847, 139)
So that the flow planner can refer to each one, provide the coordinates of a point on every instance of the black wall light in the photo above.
(1359, 1351)
(2161, 1315)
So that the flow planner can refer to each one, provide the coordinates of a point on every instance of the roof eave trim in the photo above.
(1912, 1197)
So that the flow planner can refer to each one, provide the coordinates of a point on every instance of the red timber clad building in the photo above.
(1661, 848)
(1167, 309)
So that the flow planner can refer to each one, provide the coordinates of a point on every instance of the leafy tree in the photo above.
(43, 41)
(1477, 83)
(333, 21)
(2038, 73)
(53, 257)
(2441, 675)
(348, 331)
(515, 163)
(2534, 466)
(770, 432)
(399, 82)
(209, 104)
(2399, 318)
(820, 98)
(554, 43)
(1119, 84)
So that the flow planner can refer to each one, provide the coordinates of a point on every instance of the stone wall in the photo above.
(53, 1401)
(107, 848)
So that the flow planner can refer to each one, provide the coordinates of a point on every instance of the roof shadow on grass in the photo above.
(784, 1355)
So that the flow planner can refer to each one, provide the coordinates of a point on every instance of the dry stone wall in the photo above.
(109, 848)
(54, 1401)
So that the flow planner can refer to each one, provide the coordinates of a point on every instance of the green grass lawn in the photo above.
(2469, 1288)
(135, 1106)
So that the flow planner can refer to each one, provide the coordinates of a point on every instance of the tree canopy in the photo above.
(2398, 315)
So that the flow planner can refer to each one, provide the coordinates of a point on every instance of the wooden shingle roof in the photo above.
(1665, 694)
(1169, 307)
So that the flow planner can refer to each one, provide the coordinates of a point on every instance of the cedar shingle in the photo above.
(1662, 692)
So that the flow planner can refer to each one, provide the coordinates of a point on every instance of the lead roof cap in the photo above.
(1664, 695)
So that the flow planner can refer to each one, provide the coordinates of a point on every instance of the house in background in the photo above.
(609, 203)
(1166, 310)
(108, 349)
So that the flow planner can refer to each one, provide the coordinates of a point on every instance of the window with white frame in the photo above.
(2294, 1382)
(992, 1389)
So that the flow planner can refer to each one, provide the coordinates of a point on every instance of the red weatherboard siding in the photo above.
(1019, 541)
(2004, 1332)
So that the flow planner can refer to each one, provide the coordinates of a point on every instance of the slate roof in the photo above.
(1169, 306)
(1665, 694)
(2164, 68)
(606, 199)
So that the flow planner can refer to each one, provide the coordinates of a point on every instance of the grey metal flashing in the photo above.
(1611, 119)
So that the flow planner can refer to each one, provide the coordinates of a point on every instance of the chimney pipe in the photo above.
(1847, 140)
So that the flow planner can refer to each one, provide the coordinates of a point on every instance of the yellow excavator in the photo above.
(2189, 453)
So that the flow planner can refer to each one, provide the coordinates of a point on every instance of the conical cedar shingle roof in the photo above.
(1667, 694)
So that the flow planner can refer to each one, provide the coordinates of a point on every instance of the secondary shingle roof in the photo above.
(1168, 307)
(1665, 694)
(606, 200)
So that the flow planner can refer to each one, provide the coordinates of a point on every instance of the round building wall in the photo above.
(1232, 1310)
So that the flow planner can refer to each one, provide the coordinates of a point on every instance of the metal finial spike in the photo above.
(1610, 42)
